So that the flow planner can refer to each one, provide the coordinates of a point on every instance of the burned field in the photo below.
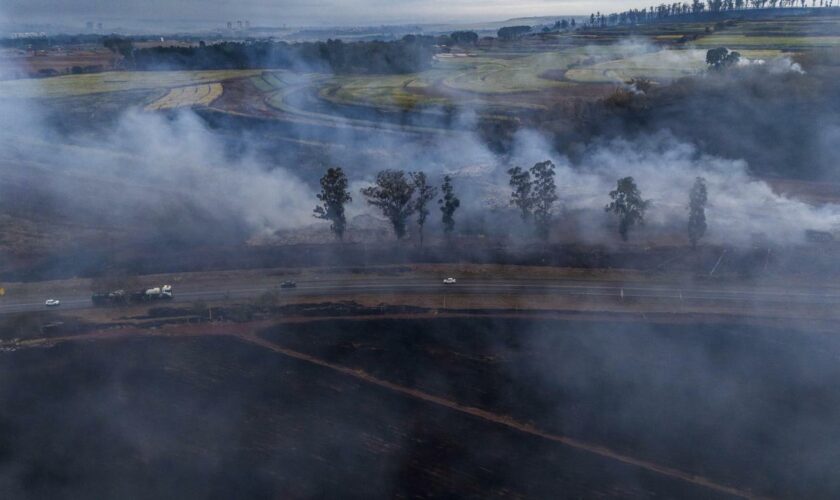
(482, 408)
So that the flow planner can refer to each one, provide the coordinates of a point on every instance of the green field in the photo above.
(662, 65)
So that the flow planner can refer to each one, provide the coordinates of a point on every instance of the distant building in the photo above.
(230, 25)
(99, 26)
(89, 25)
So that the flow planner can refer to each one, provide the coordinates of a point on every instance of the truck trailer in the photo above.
(120, 297)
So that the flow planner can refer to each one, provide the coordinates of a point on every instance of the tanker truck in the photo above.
(120, 297)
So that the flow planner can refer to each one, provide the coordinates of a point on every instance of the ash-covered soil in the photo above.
(749, 407)
(360, 409)
(217, 418)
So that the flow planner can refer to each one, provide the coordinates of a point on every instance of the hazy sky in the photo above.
(278, 12)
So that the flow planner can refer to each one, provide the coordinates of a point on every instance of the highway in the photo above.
(347, 288)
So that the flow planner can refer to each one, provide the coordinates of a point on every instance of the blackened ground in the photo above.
(218, 418)
(747, 407)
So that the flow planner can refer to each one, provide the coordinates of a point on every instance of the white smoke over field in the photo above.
(167, 165)
(176, 171)
(741, 208)
(152, 165)
(775, 66)
(183, 154)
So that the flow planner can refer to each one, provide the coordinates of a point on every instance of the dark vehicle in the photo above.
(288, 284)
(117, 297)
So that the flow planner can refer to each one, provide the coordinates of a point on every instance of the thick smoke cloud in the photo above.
(740, 206)
(172, 175)
(171, 167)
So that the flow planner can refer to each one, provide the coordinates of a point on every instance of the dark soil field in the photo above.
(476, 408)
(746, 407)
(220, 419)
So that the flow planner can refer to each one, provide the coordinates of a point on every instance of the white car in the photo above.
(450, 281)
(52, 303)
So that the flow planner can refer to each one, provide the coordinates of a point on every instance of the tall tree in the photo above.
(520, 197)
(697, 211)
(544, 194)
(425, 194)
(628, 205)
(534, 193)
(392, 194)
(333, 196)
(448, 205)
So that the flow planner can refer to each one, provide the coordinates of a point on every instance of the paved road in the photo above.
(187, 293)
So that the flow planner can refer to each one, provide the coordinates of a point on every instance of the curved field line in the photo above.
(277, 100)
(194, 95)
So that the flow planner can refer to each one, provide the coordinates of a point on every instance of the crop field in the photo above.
(181, 97)
(396, 91)
(782, 34)
(487, 74)
(734, 41)
(101, 83)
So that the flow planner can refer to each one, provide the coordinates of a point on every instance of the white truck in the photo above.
(160, 292)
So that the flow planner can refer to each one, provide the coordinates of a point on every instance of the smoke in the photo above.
(171, 170)
(153, 169)
(171, 176)
(775, 66)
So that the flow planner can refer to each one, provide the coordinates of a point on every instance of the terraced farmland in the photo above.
(181, 97)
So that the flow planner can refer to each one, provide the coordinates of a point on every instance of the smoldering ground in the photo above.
(747, 407)
(751, 407)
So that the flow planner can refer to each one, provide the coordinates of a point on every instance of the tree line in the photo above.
(695, 9)
(399, 195)
(408, 55)
(535, 192)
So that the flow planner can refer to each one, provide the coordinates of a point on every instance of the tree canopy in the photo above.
(698, 196)
(722, 58)
(333, 196)
(392, 194)
(448, 205)
(408, 55)
(628, 205)
(424, 194)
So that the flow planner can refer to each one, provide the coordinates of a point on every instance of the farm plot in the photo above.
(100, 83)
(490, 74)
(387, 91)
(194, 95)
